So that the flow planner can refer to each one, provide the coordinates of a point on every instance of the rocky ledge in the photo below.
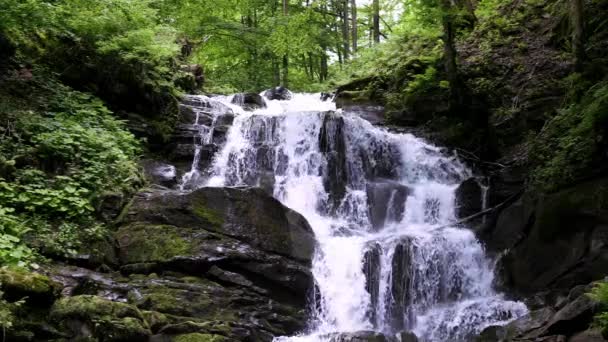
(216, 264)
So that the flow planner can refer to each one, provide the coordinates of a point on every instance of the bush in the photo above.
(600, 293)
(63, 150)
(570, 146)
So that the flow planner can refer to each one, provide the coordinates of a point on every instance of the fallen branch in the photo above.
(485, 212)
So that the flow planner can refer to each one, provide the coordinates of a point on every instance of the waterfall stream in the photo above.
(380, 204)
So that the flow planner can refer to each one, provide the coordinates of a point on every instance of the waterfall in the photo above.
(381, 205)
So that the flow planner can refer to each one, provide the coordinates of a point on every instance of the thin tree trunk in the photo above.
(355, 33)
(345, 29)
(578, 34)
(449, 51)
(285, 82)
(376, 21)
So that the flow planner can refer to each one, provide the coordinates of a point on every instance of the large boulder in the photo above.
(245, 214)
(386, 202)
(469, 198)
(554, 241)
(278, 93)
(249, 101)
(360, 336)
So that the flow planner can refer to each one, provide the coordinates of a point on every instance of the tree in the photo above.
(354, 33)
(285, 81)
(376, 21)
(578, 33)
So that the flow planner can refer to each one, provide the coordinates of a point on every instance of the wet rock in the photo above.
(249, 101)
(372, 269)
(278, 93)
(246, 214)
(160, 173)
(332, 143)
(400, 313)
(360, 336)
(406, 336)
(386, 202)
(469, 199)
(327, 96)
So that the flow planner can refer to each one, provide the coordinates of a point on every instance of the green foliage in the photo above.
(13, 251)
(570, 145)
(600, 294)
(61, 152)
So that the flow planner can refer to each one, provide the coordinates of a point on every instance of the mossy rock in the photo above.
(142, 242)
(196, 337)
(93, 316)
(19, 283)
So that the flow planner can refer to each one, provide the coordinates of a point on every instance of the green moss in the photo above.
(145, 243)
(212, 216)
(22, 282)
(196, 337)
(112, 321)
(92, 307)
(561, 212)
(155, 320)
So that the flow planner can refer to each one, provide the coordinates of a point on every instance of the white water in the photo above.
(380, 205)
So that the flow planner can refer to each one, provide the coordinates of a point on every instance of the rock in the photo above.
(253, 252)
(95, 317)
(399, 307)
(528, 325)
(326, 96)
(196, 337)
(564, 242)
(249, 101)
(386, 202)
(245, 214)
(38, 289)
(110, 205)
(360, 336)
(511, 225)
(278, 93)
(371, 269)
(493, 333)
(332, 143)
(160, 173)
(469, 199)
(591, 335)
(406, 336)
(575, 316)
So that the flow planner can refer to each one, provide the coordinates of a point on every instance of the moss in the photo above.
(212, 216)
(19, 283)
(109, 321)
(196, 337)
(92, 307)
(561, 212)
(155, 320)
(145, 243)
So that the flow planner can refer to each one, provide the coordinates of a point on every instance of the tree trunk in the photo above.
(376, 21)
(355, 33)
(578, 34)
(345, 30)
(285, 81)
(449, 51)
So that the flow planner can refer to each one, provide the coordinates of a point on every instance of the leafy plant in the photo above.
(600, 294)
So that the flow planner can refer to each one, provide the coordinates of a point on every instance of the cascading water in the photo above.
(382, 206)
